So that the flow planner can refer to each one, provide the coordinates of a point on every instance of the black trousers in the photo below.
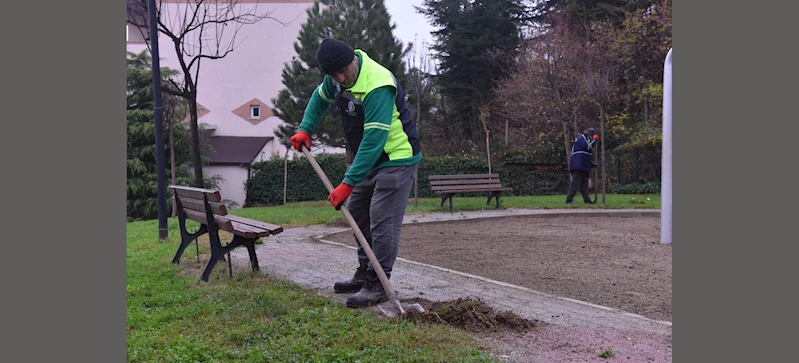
(579, 181)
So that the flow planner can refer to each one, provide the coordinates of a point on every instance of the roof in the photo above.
(236, 149)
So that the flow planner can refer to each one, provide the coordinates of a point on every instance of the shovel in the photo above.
(389, 311)
(596, 177)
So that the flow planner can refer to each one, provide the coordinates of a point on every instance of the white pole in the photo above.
(665, 183)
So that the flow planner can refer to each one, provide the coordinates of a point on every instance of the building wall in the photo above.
(233, 186)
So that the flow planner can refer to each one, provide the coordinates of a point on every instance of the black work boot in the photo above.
(372, 293)
(354, 284)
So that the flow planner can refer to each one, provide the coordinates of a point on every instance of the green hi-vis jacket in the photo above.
(379, 128)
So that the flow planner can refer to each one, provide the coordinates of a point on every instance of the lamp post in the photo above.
(163, 232)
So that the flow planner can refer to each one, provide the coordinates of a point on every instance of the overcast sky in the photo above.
(409, 23)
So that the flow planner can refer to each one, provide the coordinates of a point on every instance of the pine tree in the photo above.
(476, 44)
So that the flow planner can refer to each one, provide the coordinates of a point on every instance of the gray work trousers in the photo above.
(378, 206)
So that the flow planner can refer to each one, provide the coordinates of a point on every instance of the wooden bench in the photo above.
(204, 206)
(448, 185)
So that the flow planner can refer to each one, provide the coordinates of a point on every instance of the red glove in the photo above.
(596, 137)
(300, 138)
(339, 195)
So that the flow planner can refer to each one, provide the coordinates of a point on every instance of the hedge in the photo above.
(265, 185)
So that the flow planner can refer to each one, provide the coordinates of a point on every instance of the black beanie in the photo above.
(333, 55)
(590, 131)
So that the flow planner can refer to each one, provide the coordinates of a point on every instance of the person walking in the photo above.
(580, 164)
(383, 155)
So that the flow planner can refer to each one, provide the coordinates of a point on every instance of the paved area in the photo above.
(304, 257)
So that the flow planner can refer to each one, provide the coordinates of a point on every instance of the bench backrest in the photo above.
(464, 182)
(193, 203)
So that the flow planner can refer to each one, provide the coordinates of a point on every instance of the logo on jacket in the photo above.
(351, 108)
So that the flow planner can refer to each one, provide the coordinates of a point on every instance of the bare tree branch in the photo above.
(199, 30)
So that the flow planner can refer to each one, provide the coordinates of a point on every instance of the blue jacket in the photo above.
(582, 154)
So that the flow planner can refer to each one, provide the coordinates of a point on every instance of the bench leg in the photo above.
(186, 239)
(218, 252)
(444, 198)
(253, 257)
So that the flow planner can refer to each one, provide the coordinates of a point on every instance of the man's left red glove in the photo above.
(339, 195)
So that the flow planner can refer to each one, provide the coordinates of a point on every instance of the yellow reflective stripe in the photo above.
(376, 125)
(322, 94)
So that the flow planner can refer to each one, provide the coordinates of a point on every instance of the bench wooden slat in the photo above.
(468, 186)
(274, 229)
(497, 188)
(225, 224)
(463, 176)
(199, 217)
(199, 206)
(197, 193)
(248, 231)
(464, 182)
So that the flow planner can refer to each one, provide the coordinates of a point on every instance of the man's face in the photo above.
(347, 76)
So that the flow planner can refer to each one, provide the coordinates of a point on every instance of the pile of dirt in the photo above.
(468, 314)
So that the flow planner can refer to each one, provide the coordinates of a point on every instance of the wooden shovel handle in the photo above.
(358, 234)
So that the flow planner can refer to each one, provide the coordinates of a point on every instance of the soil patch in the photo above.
(611, 261)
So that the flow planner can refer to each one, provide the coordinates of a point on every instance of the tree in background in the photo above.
(467, 34)
(597, 62)
(422, 89)
(142, 190)
(619, 63)
(587, 12)
(555, 58)
(198, 30)
(363, 24)
(639, 46)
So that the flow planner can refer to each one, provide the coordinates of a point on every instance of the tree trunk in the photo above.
(484, 122)
(195, 143)
(566, 142)
(173, 167)
(488, 152)
(602, 138)
(285, 175)
(506, 132)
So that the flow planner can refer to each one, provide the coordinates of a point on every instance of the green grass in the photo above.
(606, 353)
(172, 317)
(468, 203)
(308, 213)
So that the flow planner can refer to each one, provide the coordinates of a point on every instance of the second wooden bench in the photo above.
(448, 185)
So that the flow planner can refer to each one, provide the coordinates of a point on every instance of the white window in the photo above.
(255, 111)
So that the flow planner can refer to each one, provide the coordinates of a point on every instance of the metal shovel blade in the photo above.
(393, 308)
